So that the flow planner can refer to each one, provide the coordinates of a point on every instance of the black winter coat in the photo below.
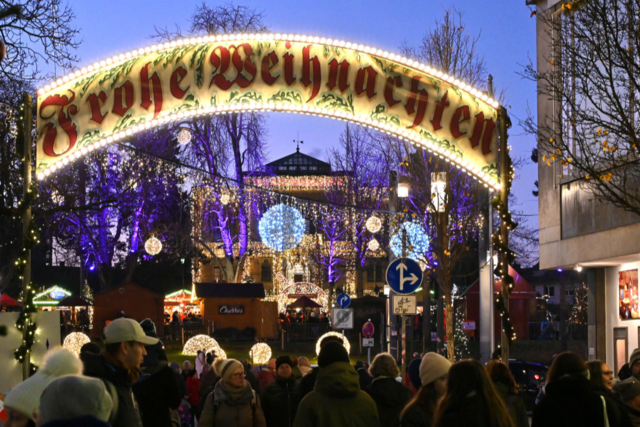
(87, 421)
(569, 401)
(156, 394)
(97, 367)
(307, 383)
(280, 402)
(391, 397)
(469, 412)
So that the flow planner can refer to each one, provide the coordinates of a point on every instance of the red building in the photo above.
(522, 305)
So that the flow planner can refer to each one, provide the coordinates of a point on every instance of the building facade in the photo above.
(579, 232)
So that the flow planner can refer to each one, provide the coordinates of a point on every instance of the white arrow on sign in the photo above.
(413, 278)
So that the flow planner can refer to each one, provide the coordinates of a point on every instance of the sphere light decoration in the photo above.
(373, 224)
(281, 227)
(373, 245)
(153, 246)
(225, 198)
(260, 353)
(74, 342)
(184, 137)
(417, 241)
(204, 343)
(345, 341)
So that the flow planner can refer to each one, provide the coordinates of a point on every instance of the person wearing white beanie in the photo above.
(433, 375)
(23, 400)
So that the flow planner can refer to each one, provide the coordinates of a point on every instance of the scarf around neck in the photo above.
(234, 396)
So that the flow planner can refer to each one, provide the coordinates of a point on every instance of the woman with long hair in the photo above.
(601, 377)
(471, 399)
(507, 388)
(570, 399)
(433, 376)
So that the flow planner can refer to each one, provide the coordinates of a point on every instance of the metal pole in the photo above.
(504, 197)
(392, 342)
(27, 103)
(403, 365)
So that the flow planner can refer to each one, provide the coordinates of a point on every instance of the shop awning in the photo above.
(304, 302)
(7, 301)
(75, 301)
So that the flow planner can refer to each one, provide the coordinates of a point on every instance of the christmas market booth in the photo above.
(240, 306)
(181, 301)
(49, 299)
(128, 300)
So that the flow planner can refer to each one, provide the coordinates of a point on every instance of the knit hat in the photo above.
(122, 330)
(635, 356)
(175, 365)
(75, 396)
(432, 367)
(272, 364)
(226, 368)
(332, 352)
(283, 360)
(414, 372)
(149, 328)
(627, 389)
(25, 397)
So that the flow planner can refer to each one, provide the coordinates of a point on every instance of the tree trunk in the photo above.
(359, 281)
(451, 344)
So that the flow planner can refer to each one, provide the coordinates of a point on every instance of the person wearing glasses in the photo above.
(601, 377)
(232, 403)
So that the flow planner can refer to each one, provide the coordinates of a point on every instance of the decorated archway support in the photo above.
(110, 100)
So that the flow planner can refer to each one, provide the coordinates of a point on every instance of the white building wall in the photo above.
(613, 318)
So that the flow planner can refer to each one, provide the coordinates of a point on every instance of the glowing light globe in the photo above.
(373, 224)
(153, 246)
(281, 227)
(345, 341)
(74, 342)
(373, 245)
(225, 198)
(204, 343)
(417, 241)
(260, 353)
(184, 137)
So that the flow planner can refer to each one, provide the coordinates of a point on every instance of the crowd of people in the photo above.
(130, 383)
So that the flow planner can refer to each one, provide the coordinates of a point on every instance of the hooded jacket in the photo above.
(280, 402)
(337, 400)
(391, 397)
(96, 366)
(87, 421)
(569, 401)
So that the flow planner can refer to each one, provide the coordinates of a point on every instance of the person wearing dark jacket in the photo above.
(390, 396)
(507, 388)
(570, 399)
(280, 398)
(631, 369)
(432, 386)
(157, 390)
(601, 378)
(337, 399)
(119, 367)
(364, 376)
(629, 392)
(307, 383)
(182, 384)
(250, 376)
(471, 400)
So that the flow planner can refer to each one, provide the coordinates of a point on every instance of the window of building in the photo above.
(266, 271)
(379, 276)
(550, 290)
(371, 275)
(570, 292)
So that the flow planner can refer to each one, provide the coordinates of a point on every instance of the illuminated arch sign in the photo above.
(113, 99)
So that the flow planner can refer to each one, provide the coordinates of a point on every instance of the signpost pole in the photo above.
(504, 196)
(403, 365)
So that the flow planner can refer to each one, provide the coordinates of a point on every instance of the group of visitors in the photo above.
(303, 317)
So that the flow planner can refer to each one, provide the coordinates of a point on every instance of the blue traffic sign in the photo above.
(404, 276)
(343, 300)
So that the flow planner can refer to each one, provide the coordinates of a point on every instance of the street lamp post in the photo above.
(439, 200)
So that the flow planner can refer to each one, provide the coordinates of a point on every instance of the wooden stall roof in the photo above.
(230, 290)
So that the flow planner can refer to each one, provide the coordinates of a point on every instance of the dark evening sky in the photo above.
(507, 42)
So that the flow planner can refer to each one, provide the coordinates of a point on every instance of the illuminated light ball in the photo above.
(153, 246)
(199, 342)
(298, 269)
(74, 342)
(417, 241)
(281, 227)
(225, 198)
(374, 224)
(373, 245)
(220, 252)
(184, 137)
(260, 353)
(345, 341)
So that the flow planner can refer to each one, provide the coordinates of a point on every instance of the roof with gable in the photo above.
(299, 164)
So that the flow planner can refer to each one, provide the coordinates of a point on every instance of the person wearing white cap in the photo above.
(119, 368)
(433, 375)
(23, 400)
